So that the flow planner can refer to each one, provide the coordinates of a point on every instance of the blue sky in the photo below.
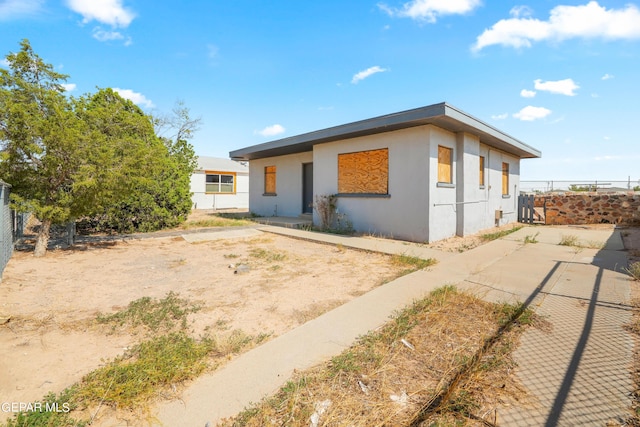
(560, 75)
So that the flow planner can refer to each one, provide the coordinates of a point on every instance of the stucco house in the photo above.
(419, 175)
(219, 183)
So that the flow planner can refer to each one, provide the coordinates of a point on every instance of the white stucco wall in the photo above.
(443, 219)
(472, 205)
(497, 201)
(416, 208)
(404, 214)
(288, 198)
(202, 200)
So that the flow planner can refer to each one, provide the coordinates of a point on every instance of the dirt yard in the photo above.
(49, 337)
(52, 339)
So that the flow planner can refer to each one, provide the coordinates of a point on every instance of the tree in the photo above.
(96, 155)
(161, 197)
(43, 144)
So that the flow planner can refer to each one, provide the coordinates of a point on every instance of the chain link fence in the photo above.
(6, 227)
(551, 186)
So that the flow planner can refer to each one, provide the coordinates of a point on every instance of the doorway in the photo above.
(307, 188)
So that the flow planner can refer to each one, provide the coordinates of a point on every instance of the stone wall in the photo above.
(592, 208)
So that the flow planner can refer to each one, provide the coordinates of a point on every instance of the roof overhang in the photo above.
(441, 115)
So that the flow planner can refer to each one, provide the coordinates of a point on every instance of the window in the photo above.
(505, 179)
(481, 171)
(270, 180)
(364, 172)
(218, 182)
(445, 160)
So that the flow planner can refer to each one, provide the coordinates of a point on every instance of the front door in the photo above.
(307, 188)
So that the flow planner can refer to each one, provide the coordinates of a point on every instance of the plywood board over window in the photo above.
(505, 179)
(481, 176)
(445, 160)
(270, 180)
(364, 172)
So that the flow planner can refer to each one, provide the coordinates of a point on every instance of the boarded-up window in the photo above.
(445, 172)
(481, 171)
(365, 172)
(270, 180)
(505, 179)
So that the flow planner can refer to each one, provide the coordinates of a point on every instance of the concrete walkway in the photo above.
(577, 372)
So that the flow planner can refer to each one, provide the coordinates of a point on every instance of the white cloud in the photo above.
(135, 97)
(527, 93)
(607, 77)
(110, 12)
(68, 87)
(500, 116)
(272, 130)
(103, 36)
(17, 8)
(561, 87)
(565, 22)
(521, 12)
(366, 73)
(530, 113)
(430, 10)
(4, 63)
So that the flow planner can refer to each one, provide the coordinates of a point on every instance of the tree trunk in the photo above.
(42, 240)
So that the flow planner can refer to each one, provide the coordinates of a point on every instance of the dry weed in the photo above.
(390, 376)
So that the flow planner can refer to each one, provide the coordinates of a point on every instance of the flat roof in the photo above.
(442, 115)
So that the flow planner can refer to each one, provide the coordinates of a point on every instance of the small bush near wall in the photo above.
(592, 208)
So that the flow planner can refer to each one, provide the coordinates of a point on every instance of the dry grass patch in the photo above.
(153, 369)
(445, 360)
(215, 221)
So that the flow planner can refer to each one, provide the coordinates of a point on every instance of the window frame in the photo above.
(220, 174)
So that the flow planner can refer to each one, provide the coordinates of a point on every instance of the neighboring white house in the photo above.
(220, 184)
(420, 175)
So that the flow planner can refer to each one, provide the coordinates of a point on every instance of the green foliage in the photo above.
(44, 146)
(414, 262)
(158, 170)
(54, 412)
(165, 314)
(94, 156)
(266, 255)
(531, 239)
(134, 378)
(500, 234)
(580, 188)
